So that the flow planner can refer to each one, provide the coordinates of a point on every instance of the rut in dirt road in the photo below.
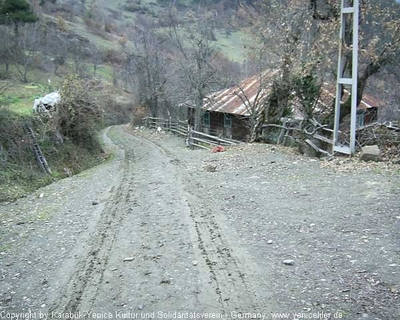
(83, 287)
(179, 258)
(231, 288)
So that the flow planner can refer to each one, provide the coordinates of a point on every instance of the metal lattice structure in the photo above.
(349, 13)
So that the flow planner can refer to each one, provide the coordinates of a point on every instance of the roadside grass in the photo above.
(18, 180)
(20, 173)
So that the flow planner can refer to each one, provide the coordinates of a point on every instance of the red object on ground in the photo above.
(218, 149)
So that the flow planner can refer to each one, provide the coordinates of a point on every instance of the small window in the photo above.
(227, 120)
(206, 119)
(360, 118)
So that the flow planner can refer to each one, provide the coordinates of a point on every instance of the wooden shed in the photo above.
(227, 113)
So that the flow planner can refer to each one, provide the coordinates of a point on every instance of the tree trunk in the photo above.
(279, 98)
(154, 107)
(56, 66)
(197, 112)
(254, 126)
(25, 76)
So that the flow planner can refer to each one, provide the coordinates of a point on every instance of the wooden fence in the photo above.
(287, 131)
(176, 126)
(193, 138)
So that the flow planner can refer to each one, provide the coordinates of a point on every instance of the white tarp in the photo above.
(46, 103)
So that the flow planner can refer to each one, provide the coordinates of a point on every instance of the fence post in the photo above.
(282, 133)
(189, 137)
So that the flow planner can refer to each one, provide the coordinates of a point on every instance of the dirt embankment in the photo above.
(162, 228)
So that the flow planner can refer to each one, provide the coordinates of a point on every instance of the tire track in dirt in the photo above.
(159, 236)
(229, 273)
(234, 290)
(129, 220)
(82, 287)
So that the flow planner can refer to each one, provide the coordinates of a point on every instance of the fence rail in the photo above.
(193, 138)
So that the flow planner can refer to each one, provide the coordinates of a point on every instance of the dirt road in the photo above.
(165, 232)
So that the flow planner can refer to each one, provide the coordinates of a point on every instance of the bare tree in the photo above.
(4, 86)
(196, 54)
(96, 56)
(147, 65)
(57, 48)
(70, 6)
(77, 49)
(255, 100)
(7, 42)
(285, 32)
(83, 6)
(256, 103)
(26, 49)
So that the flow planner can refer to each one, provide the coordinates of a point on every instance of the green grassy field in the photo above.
(20, 97)
(106, 72)
(234, 45)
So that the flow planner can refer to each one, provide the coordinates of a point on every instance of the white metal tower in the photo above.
(349, 12)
